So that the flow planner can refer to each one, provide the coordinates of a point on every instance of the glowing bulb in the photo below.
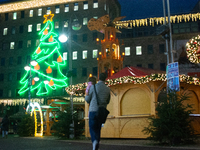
(27, 68)
(46, 82)
(63, 38)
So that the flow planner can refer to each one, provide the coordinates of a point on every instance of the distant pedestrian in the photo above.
(92, 81)
(5, 126)
(103, 93)
(15, 127)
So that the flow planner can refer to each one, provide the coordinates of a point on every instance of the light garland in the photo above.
(15, 102)
(31, 4)
(193, 49)
(157, 20)
(77, 89)
(74, 89)
(33, 110)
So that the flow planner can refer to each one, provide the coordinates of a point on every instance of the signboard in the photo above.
(173, 76)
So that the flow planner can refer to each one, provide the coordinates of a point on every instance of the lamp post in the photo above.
(28, 68)
(63, 38)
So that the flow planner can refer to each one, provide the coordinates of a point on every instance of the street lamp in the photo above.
(28, 68)
(63, 38)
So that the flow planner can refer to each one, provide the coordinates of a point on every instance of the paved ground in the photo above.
(52, 143)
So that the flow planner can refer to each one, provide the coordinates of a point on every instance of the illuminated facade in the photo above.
(21, 24)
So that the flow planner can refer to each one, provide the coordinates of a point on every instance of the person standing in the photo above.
(92, 81)
(103, 93)
(5, 126)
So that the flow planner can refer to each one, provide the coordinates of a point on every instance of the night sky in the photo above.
(140, 9)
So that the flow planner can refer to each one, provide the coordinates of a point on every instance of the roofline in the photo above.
(21, 5)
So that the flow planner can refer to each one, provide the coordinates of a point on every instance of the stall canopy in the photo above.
(135, 72)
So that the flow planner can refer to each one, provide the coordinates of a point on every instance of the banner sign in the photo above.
(173, 76)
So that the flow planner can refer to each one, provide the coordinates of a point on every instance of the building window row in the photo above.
(57, 10)
(84, 54)
(151, 66)
(12, 44)
(39, 26)
(150, 50)
(74, 57)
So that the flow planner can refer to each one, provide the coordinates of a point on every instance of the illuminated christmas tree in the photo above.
(49, 63)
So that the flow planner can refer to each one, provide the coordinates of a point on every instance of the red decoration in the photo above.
(37, 67)
(51, 39)
(51, 83)
(198, 50)
(59, 59)
(45, 32)
(49, 70)
(195, 42)
(38, 50)
(33, 82)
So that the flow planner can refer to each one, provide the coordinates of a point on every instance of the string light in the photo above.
(33, 110)
(31, 4)
(79, 89)
(193, 49)
(157, 20)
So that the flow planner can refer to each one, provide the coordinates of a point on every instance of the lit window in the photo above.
(38, 26)
(65, 24)
(31, 13)
(29, 43)
(56, 24)
(5, 31)
(67, 8)
(74, 55)
(65, 56)
(37, 42)
(48, 10)
(127, 51)
(57, 10)
(85, 54)
(138, 50)
(30, 28)
(95, 4)
(12, 45)
(85, 5)
(94, 53)
(85, 21)
(14, 15)
(75, 6)
(95, 17)
(9, 93)
(40, 12)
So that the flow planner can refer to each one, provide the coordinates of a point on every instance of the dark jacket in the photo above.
(5, 123)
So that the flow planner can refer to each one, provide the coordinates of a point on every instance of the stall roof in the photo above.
(135, 72)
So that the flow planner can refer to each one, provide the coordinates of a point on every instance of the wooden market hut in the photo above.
(134, 91)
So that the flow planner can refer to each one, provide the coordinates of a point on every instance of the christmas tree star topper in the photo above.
(48, 17)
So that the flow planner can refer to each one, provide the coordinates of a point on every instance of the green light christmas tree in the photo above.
(48, 59)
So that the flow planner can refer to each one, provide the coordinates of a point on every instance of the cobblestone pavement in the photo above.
(51, 143)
